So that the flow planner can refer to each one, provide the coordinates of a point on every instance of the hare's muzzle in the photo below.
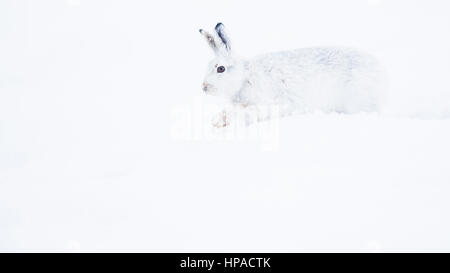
(205, 86)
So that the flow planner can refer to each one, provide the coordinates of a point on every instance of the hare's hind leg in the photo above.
(365, 92)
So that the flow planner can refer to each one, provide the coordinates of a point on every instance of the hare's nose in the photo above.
(205, 86)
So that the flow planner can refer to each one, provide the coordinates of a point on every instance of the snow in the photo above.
(104, 145)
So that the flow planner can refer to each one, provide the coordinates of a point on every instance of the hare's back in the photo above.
(328, 58)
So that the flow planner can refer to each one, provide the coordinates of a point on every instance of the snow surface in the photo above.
(103, 146)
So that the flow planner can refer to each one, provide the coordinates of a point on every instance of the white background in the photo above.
(89, 160)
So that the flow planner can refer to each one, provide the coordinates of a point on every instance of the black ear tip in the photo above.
(219, 25)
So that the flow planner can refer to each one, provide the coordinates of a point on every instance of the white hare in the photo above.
(328, 79)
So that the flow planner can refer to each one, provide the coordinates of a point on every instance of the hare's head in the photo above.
(226, 72)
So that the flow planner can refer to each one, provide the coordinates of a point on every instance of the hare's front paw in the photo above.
(221, 120)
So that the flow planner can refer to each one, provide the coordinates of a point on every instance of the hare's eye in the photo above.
(221, 69)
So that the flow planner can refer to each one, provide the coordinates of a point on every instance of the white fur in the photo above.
(329, 79)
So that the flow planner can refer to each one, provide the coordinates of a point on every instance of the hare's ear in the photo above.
(210, 39)
(220, 29)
